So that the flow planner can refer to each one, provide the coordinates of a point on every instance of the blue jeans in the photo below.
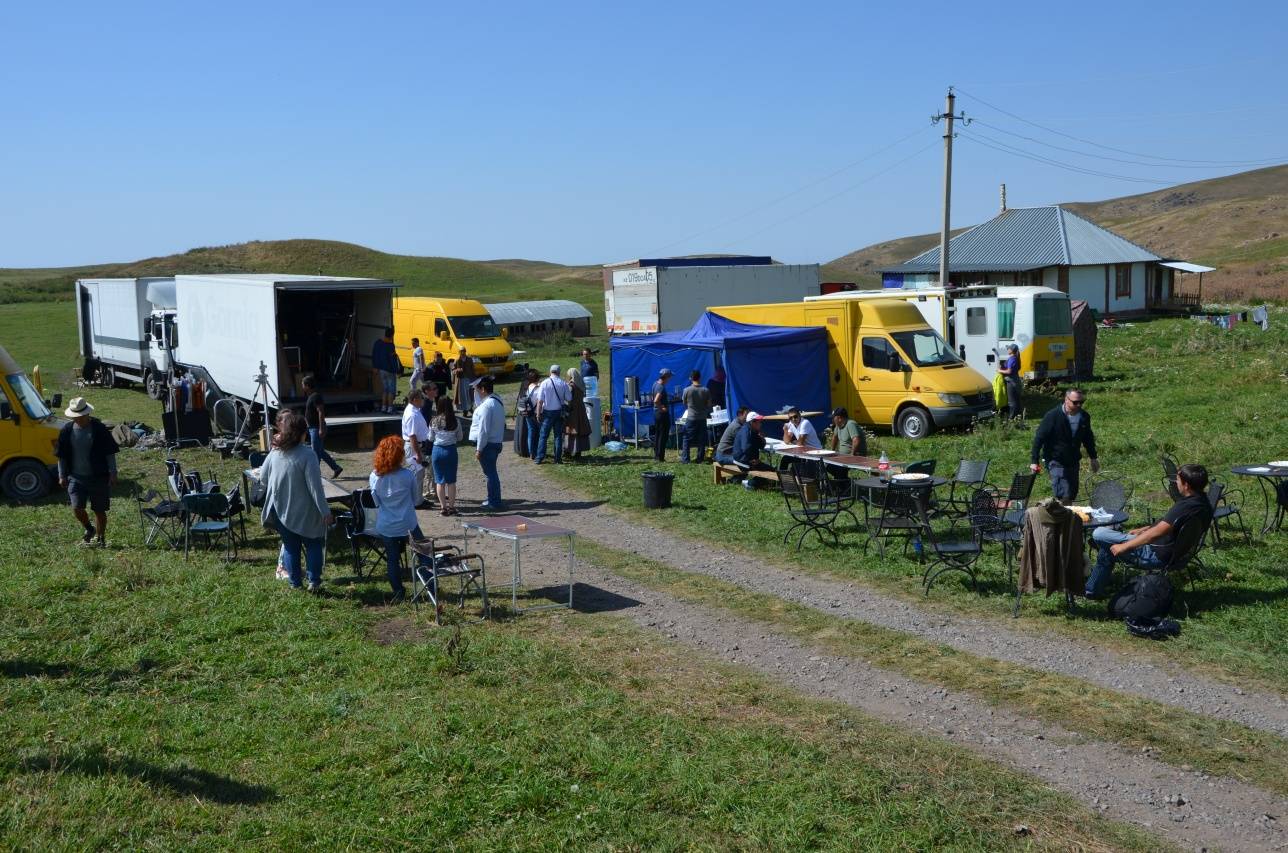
(487, 460)
(315, 441)
(534, 429)
(1064, 480)
(725, 458)
(551, 421)
(393, 561)
(293, 544)
(1105, 537)
(695, 435)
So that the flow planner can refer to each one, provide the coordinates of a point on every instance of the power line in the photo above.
(1268, 162)
(979, 139)
(1109, 147)
(732, 243)
(787, 195)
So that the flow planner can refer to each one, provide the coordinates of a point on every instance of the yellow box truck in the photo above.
(445, 325)
(28, 435)
(888, 367)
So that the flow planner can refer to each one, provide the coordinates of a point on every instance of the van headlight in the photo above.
(952, 399)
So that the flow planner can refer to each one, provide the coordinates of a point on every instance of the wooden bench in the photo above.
(722, 472)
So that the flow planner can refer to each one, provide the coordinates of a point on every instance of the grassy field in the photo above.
(1174, 386)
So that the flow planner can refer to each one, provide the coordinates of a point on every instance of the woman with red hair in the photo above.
(395, 493)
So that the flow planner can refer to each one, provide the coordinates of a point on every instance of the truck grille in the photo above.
(494, 359)
(984, 398)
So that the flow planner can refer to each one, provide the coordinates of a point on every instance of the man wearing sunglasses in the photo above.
(1058, 441)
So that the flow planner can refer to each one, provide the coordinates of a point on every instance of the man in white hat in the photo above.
(553, 396)
(86, 455)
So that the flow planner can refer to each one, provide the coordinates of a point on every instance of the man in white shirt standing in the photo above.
(487, 431)
(552, 396)
(416, 446)
(417, 363)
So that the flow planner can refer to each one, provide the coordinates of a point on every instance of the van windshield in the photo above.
(1051, 316)
(925, 348)
(474, 326)
(27, 396)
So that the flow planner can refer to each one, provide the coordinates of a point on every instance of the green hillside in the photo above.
(489, 281)
(1238, 224)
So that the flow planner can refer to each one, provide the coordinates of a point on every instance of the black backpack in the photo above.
(1145, 597)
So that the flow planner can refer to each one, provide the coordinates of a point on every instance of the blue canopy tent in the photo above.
(766, 367)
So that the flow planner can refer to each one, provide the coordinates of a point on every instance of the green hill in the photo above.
(489, 281)
(1238, 224)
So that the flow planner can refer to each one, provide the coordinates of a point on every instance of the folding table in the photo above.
(516, 529)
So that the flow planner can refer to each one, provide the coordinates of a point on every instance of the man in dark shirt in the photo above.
(439, 374)
(724, 448)
(86, 455)
(697, 408)
(589, 367)
(1058, 441)
(747, 445)
(315, 420)
(661, 414)
(1152, 547)
(384, 361)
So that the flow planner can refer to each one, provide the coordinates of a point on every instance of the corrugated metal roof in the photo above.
(1027, 238)
(540, 311)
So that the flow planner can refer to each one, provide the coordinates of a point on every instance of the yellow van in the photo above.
(444, 325)
(28, 435)
(888, 367)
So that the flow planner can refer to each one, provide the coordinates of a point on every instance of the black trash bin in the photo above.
(657, 489)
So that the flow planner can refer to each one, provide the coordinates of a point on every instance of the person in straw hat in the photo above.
(86, 455)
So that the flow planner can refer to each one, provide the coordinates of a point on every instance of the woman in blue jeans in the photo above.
(294, 503)
(394, 489)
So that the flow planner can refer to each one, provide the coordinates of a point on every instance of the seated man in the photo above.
(747, 445)
(724, 448)
(1151, 547)
(846, 435)
(799, 431)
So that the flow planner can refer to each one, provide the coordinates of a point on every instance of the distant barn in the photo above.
(541, 318)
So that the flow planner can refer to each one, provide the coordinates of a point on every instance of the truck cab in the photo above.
(445, 325)
(163, 338)
(28, 435)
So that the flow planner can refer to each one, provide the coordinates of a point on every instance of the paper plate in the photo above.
(906, 477)
(820, 452)
(1282, 463)
(1260, 469)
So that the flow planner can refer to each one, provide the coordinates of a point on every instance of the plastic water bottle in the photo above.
(916, 546)
(883, 466)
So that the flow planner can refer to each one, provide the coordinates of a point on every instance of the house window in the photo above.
(976, 321)
(1122, 281)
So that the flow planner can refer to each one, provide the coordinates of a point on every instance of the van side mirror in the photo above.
(894, 365)
(7, 413)
(442, 336)
(505, 332)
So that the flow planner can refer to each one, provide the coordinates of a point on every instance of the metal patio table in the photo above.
(1273, 481)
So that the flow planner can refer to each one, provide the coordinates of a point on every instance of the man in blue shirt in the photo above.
(384, 361)
(747, 445)
(1010, 370)
(589, 367)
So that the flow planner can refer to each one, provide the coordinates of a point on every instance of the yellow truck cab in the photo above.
(444, 325)
(28, 435)
(888, 367)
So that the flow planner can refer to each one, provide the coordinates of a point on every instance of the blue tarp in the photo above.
(766, 367)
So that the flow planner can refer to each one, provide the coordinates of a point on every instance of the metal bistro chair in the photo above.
(1219, 499)
(367, 546)
(1012, 503)
(992, 527)
(970, 474)
(955, 551)
(1185, 550)
(1109, 495)
(1169, 477)
(835, 488)
(808, 508)
(206, 515)
(433, 563)
(159, 517)
(899, 514)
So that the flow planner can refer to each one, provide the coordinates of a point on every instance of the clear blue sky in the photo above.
(594, 132)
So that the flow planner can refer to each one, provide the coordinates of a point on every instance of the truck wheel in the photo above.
(155, 385)
(914, 423)
(107, 376)
(25, 480)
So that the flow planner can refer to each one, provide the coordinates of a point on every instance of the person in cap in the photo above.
(552, 399)
(747, 445)
(846, 436)
(724, 447)
(487, 431)
(661, 398)
(799, 431)
(463, 374)
(86, 455)
(1009, 367)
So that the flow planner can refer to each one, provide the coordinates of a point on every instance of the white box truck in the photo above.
(669, 294)
(295, 324)
(114, 317)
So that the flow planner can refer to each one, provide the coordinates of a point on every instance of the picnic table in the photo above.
(868, 464)
(1273, 480)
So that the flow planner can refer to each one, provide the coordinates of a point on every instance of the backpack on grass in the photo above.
(1147, 596)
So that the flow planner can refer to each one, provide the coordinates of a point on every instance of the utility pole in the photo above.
(947, 117)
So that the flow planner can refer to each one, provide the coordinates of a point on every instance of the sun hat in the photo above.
(754, 416)
(78, 408)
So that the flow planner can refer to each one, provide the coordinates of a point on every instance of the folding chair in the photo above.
(174, 478)
(206, 515)
(434, 562)
(808, 509)
(159, 517)
(237, 512)
(367, 546)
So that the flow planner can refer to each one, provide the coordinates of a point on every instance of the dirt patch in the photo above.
(399, 629)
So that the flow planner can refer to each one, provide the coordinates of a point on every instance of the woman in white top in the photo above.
(800, 432)
(445, 432)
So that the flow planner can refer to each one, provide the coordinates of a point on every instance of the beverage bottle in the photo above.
(883, 466)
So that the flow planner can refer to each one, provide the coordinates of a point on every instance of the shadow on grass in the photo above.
(181, 780)
(585, 598)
